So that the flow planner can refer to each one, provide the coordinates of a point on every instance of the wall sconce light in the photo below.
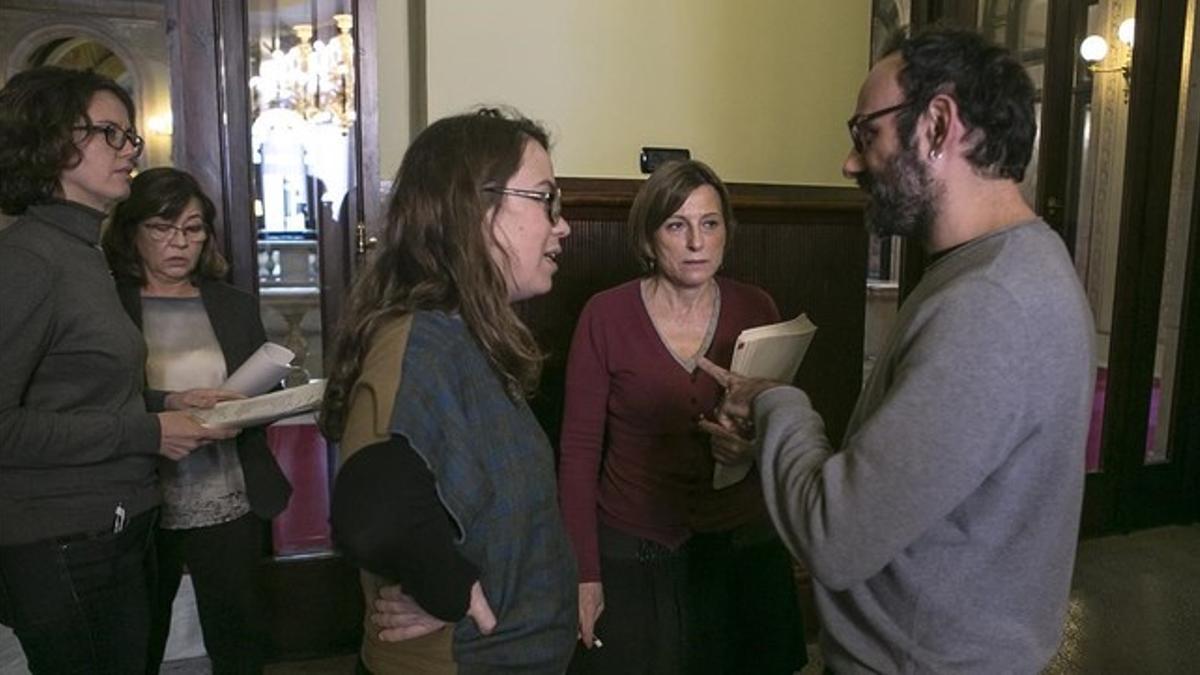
(1094, 48)
(160, 125)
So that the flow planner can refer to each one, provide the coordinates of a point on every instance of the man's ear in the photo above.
(943, 128)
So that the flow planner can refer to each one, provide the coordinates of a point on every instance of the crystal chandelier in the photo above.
(313, 78)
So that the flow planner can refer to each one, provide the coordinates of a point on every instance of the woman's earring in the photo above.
(935, 153)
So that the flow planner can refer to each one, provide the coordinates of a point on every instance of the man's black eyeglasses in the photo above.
(855, 124)
(551, 199)
(115, 136)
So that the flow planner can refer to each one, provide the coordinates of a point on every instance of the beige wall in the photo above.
(758, 88)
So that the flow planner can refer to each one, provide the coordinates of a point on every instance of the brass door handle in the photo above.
(363, 242)
(1054, 207)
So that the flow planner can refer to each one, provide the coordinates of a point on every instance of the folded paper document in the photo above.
(248, 412)
(262, 371)
(771, 352)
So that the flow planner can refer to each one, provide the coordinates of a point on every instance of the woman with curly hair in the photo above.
(78, 451)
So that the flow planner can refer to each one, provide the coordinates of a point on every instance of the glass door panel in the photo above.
(301, 66)
(1102, 100)
(304, 176)
(1183, 200)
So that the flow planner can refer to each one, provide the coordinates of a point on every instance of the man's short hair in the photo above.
(994, 94)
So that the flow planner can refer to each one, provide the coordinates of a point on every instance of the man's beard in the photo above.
(902, 197)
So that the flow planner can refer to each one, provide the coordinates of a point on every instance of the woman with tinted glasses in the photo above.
(447, 484)
(78, 451)
(675, 577)
(198, 330)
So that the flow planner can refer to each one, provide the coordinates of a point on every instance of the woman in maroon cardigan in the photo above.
(674, 575)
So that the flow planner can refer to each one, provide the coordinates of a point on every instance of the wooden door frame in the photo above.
(1185, 422)
(212, 131)
(197, 138)
(202, 96)
(1055, 189)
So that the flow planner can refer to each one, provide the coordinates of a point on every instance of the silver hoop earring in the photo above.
(935, 154)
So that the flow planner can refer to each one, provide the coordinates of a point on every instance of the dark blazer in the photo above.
(236, 322)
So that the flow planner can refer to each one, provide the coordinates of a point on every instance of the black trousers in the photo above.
(725, 603)
(744, 611)
(224, 563)
(80, 604)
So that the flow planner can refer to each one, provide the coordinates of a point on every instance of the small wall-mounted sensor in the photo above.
(652, 158)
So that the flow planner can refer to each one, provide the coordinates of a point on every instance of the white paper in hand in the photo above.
(771, 352)
(262, 371)
(248, 412)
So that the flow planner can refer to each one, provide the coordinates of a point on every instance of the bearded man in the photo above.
(941, 533)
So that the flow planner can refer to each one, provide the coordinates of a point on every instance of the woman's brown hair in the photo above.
(40, 109)
(436, 253)
(160, 193)
(661, 196)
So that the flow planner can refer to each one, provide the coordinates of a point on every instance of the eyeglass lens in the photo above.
(856, 123)
(115, 136)
(554, 206)
(552, 200)
(164, 232)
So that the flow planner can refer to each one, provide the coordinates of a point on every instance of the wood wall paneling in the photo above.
(806, 246)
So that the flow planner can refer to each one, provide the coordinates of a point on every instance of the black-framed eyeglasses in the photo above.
(552, 199)
(855, 124)
(115, 136)
(194, 233)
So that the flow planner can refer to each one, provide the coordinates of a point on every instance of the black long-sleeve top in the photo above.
(387, 519)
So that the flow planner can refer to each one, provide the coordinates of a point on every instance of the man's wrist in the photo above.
(760, 389)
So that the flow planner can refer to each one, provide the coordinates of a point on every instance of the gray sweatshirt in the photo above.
(942, 535)
(76, 441)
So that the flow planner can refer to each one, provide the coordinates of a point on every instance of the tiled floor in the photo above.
(1135, 608)
(1135, 605)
